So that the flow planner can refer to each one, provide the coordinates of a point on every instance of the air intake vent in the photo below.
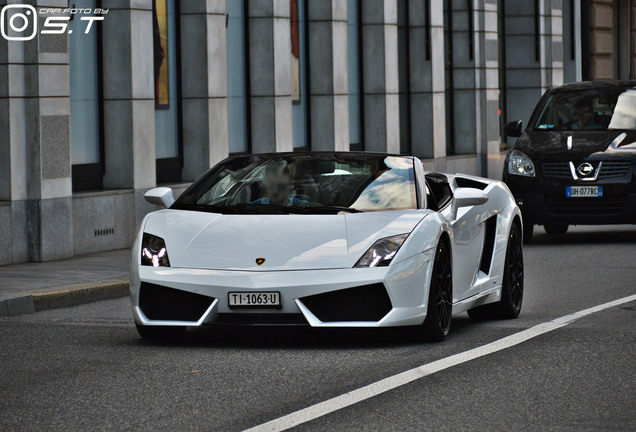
(262, 319)
(363, 303)
(587, 206)
(463, 182)
(489, 244)
(162, 303)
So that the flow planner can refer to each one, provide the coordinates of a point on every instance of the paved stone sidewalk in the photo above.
(29, 287)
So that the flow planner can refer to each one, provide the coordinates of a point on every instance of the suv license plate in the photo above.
(584, 191)
(254, 299)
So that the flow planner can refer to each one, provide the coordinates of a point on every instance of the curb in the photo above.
(63, 296)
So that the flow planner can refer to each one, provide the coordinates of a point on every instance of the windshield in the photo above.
(317, 183)
(598, 109)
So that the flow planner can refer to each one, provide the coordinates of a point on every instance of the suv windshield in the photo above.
(317, 183)
(597, 109)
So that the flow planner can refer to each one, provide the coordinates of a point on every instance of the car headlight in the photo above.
(153, 251)
(382, 252)
(520, 164)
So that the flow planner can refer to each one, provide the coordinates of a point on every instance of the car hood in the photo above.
(544, 145)
(287, 242)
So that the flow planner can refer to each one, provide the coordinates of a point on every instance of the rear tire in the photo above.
(160, 333)
(556, 228)
(512, 288)
(440, 297)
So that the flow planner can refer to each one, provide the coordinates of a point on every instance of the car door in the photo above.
(467, 244)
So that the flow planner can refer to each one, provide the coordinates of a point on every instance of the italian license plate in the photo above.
(254, 299)
(584, 191)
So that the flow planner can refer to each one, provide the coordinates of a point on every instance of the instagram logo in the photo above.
(18, 22)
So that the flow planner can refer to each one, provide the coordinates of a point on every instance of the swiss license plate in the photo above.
(584, 191)
(254, 299)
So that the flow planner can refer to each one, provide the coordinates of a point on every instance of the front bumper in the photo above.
(404, 285)
(543, 200)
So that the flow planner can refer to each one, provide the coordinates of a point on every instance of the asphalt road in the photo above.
(85, 368)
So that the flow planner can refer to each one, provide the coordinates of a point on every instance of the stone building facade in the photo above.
(159, 91)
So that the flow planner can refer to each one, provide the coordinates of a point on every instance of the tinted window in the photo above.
(597, 109)
(312, 183)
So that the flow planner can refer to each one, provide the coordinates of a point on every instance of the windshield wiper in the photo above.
(255, 208)
(297, 208)
(321, 209)
(213, 208)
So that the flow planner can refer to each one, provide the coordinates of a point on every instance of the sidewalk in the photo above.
(30, 287)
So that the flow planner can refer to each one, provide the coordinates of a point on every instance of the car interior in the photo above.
(438, 192)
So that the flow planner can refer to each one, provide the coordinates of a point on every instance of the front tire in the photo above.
(440, 297)
(160, 333)
(512, 288)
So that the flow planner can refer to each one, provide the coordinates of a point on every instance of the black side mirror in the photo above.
(513, 128)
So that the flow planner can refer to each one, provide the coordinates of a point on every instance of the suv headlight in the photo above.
(382, 252)
(520, 164)
(153, 251)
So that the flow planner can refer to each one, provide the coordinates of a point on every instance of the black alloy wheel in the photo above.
(440, 299)
(513, 273)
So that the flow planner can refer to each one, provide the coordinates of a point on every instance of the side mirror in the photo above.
(513, 128)
(466, 197)
(161, 196)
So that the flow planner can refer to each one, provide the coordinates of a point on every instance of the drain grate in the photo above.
(104, 232)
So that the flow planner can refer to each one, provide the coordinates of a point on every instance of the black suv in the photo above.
(575, 163)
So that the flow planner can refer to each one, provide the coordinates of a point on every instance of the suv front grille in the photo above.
(614, 169)
(609, 169)
(557, 170)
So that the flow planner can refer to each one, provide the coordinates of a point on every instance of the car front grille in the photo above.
(609, 169)
(557, 170)
(614, 169)
(261, 319)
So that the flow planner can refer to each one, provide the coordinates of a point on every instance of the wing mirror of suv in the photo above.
(466, 197)
(513, 128)
(161, 196)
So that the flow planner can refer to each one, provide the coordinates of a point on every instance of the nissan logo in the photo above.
(585, 169)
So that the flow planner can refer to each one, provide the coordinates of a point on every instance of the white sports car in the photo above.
(329, 240)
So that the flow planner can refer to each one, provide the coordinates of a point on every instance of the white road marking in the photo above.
(326, 407)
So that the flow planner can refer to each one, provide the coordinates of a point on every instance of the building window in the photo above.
(570, 56)
(237, 77)
(404, 76)
(86, 107)
(355, 75)
(167, 103)
(461, 133)
(503, 68)
(299, 75)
